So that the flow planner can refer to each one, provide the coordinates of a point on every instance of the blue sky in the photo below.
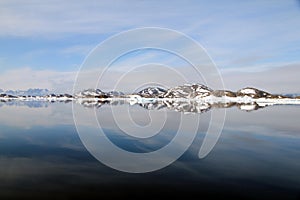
(47, 39)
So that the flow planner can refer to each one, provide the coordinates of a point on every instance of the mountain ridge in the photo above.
(187, 98)
(28, 92)
(193, 91)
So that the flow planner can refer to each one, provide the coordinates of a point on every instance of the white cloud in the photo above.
(282, 79)
(243, 33)
(50, 17)
(77, 49)
(26, 78)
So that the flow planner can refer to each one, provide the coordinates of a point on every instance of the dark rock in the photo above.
(188, 91)
(253, 92)
(152, 92)
(223, 93)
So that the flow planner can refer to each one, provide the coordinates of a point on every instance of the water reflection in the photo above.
(186, 106)
(41, 155)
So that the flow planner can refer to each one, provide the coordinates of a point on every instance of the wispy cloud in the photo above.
(77, 49)
(50, 17)
(282, 79)
(241, 36)
(26, 78)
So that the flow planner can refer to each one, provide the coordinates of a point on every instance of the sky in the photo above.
(252, 43)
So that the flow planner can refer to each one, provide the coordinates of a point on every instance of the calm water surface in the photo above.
(42, 156)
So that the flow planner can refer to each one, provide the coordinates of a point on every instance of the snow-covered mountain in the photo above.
(91, 93)
(152, 92)
(186, 98)
(97, 93)
(188, 91)
(115, 94)
(254, 93)
(29, 92)
(223, 93)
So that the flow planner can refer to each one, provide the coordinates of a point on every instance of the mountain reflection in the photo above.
(178, 106)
